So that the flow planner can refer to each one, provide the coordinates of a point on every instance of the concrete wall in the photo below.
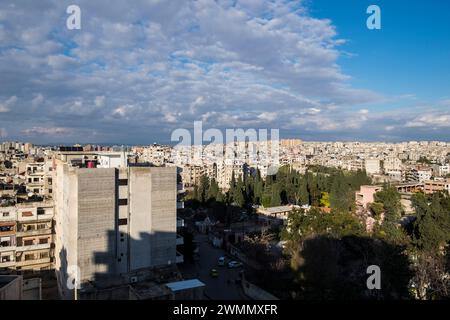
(66, 222)
(87, 221)
(96, 222)
(140, 182)
(152, 216)
(164, 215)
(11, 287)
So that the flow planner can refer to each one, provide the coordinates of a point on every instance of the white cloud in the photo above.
(6, 105)
(430, 120)
(99, 101)
(154, 65)
(56, 131)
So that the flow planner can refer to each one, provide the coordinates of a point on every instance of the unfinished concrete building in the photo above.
(113, 222)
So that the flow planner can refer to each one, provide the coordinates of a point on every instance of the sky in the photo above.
(138, 70)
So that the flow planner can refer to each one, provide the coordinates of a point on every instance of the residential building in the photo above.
(113, 222)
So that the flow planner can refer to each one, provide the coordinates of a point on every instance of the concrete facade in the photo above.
(112, 222)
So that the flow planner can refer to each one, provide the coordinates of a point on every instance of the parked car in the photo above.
(234, 264)
(221, 261)
(214, 273)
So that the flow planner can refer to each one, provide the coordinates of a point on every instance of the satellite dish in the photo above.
(30, 194)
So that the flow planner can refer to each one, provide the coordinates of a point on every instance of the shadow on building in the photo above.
(128, 269)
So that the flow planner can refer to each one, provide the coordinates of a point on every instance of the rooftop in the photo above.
(184, 285)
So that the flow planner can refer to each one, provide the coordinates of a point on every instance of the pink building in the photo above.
(365, 195)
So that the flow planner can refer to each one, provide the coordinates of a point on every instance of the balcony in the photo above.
(7, 264)
(34, 247)
(36, 217)
(32, 262)
(180, 188)
(7, 248)
(180, 223)
(179, 258)
(34, 232)
(180, 240)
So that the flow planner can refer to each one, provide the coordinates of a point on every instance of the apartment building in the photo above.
(191, 174)
(419, 174)
(26, 237)
(372, 166)
(365, 195)
(431, 186)
(113, 222)
(38, 177)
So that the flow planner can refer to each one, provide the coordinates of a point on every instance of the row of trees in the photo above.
(319, 186)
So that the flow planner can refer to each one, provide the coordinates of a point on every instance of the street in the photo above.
(216, 288)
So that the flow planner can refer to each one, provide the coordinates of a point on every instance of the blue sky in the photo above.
(411, 54)
(137, 71)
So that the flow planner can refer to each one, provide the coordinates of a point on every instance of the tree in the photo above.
(325, 200)
(213, 190)
(275, 199)
(430, 239)
(238, 193)
(340, 194)
(303, 191)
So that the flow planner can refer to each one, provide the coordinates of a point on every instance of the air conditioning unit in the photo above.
(133, 279)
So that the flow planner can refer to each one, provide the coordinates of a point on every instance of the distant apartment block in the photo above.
(372, 166)
(431, 186)
(26, 237)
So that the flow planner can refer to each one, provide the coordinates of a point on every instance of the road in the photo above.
(216, 288)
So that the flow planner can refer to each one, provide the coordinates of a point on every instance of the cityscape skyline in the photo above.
(311, 69)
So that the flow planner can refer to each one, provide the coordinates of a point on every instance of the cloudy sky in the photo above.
(139, 69)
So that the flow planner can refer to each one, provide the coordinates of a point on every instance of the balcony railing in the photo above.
(34, 247)
(34, 232)
(32, 262)
(180, 240)
(179, 258)
(7, 264)
(180, 188)
(7, 248)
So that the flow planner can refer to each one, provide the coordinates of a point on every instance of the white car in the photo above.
(234, 264)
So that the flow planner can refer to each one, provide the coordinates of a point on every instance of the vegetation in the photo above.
(320, 186)
(329, 253)
(326, 254)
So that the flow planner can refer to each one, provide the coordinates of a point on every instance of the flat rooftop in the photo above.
(185, 285)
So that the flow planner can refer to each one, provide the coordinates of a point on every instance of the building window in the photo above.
(29, 257)
(5, 243)
(123, 182)
(40, 211)
(43, 240)
(6, 228)
(41, 226)
(6, 259)
(123, 222)
(43, 255)
(28, 243)
(5, 214)
(123, 202)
